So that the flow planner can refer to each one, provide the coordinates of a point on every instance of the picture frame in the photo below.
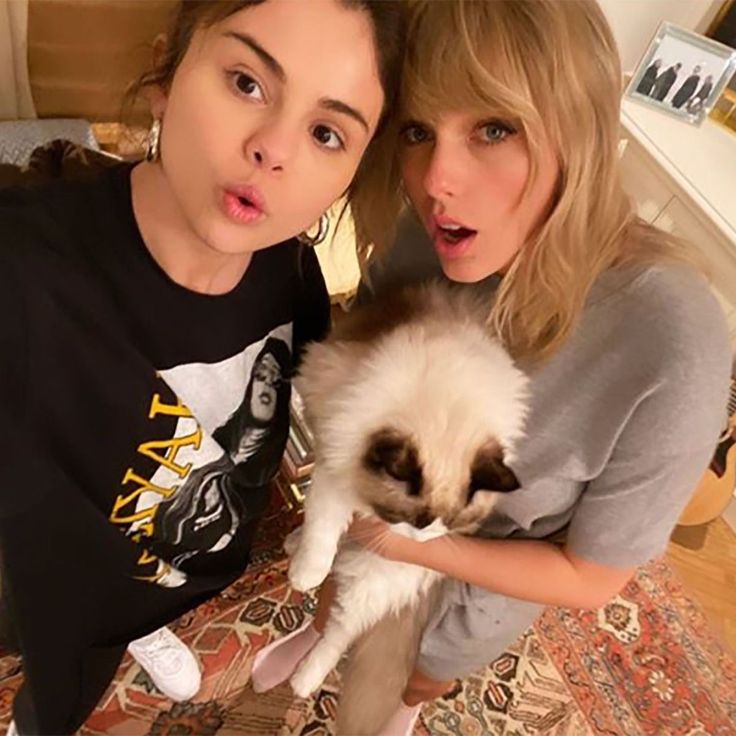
(682, 73)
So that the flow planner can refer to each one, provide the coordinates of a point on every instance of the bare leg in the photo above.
(419, 689)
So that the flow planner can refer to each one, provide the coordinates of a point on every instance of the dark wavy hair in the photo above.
(228, 436)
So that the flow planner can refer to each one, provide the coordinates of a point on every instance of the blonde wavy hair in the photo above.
(552, 68)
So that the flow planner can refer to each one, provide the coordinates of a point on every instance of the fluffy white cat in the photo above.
(414, 408)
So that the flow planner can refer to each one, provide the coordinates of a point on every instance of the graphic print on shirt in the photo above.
(217, 434)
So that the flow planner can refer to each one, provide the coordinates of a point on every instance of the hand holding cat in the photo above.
(376, 536)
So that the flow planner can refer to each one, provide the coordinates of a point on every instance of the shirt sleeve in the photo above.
(62, 555)
(15, 431)
(312, 306)
(626, 515)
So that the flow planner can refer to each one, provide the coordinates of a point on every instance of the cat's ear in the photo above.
(490, 473)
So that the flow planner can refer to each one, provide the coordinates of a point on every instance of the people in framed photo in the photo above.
(682, 73)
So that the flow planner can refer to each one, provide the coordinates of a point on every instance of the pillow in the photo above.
(58, 159)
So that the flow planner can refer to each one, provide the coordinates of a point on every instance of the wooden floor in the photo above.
(709, 573)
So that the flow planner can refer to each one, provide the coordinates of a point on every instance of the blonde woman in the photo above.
(508, 156)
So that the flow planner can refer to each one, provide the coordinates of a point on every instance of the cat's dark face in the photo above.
(400, 487)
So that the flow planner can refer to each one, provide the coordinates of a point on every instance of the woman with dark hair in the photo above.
(131, 305)
(205, 513)
(255, 435)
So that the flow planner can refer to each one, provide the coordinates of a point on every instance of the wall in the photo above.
(82, 54)
(15, 89)
(634, 22)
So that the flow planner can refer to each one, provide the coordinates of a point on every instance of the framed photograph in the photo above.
(682, 73)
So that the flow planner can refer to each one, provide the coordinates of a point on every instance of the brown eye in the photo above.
(245, 85)
(327, 138)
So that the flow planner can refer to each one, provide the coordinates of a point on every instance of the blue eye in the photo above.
(495, 131)
(246, 86)
(327, 138)
(414, 133)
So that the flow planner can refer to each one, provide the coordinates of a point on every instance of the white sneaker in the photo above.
(170, 664)
(12, 730)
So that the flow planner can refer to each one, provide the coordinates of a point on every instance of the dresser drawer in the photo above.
(720, 255)
(649, 190)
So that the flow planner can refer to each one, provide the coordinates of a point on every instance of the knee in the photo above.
(420, 688)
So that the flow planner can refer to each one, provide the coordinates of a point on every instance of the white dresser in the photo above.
(683, 179)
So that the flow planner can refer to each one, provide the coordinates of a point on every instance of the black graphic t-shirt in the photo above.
(141, 422)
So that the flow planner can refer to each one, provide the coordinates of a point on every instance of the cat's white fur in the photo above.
(434, 376)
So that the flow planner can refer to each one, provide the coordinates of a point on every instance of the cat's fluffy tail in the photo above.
(378, 668)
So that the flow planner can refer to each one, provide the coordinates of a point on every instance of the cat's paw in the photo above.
(306, 572)
(291, 543)
(307, 678)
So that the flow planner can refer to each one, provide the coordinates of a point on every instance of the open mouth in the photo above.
(451, 239)
(454, 234)
(243, 206)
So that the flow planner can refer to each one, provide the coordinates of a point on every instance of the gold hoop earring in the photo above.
(153, 149)
(323, 227)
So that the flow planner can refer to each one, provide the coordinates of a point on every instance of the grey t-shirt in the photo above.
(623, 419)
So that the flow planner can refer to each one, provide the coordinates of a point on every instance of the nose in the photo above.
(271, 146)
(424, 519)
(442, 178)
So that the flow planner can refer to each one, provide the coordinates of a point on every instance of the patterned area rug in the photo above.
(646, 664)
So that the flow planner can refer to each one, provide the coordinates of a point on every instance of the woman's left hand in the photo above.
(376, 536)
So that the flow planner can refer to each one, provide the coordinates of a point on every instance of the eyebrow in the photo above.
(345, 109)
(326, 102)
(264, 56)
